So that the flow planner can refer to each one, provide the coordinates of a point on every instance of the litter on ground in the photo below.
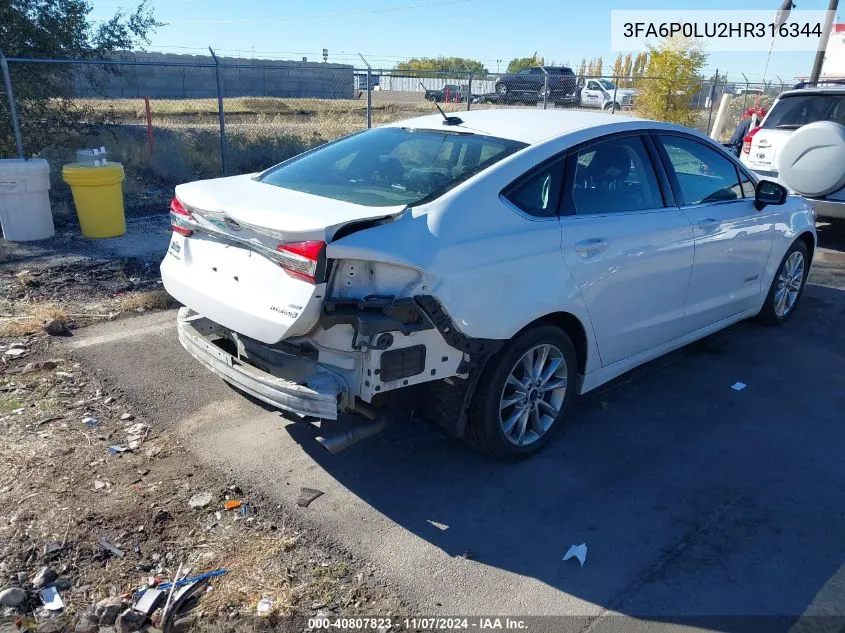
(51, 599)
(307, 496)
(577, 551)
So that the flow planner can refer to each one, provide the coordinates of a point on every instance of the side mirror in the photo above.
(769, 192)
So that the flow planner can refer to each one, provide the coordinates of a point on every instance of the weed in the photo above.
(152, 300)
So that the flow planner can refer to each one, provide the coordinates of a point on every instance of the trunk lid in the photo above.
(284, 214)
(230, 269)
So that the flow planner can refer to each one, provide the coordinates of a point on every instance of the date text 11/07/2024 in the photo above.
(421, 623)
(721, 29)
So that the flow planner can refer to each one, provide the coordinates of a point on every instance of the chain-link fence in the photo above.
(175, 118)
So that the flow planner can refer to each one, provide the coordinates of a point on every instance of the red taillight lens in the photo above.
(303, 260)
(746, 141)
(178, 216)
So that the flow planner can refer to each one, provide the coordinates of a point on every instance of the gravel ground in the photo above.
(106, 500)
(105, 522)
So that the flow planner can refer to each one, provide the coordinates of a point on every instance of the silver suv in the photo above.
(792, 110)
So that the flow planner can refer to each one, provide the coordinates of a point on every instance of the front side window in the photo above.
(614, 176)
(749, 190)
(606, 84)
(390, 166)
(703, 174)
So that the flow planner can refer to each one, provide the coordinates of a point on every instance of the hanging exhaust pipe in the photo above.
(342, 441)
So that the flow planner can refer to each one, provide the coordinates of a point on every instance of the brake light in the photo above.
(179, 215)
(746, 141)
(303, 260)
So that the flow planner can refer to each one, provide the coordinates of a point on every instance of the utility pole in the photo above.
(823, 41)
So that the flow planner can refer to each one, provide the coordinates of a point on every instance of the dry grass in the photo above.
(256, 568)
(31, 322)
(151, 300)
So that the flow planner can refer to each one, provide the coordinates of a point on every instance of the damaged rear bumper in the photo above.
(316, 392)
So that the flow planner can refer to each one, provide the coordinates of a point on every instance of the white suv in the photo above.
(496, 265)
(763, 146)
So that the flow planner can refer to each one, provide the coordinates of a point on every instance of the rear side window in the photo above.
(390, 166)
(703, 174)
(538, 193)
(794, 111)
(614, 176)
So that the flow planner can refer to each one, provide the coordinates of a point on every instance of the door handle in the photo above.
(588, 248)
(709, 224)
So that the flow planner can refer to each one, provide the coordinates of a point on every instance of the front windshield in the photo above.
(606, 84)
(391, 166)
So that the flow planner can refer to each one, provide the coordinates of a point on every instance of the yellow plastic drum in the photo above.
(98, 196)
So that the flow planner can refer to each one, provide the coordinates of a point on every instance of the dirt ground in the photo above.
(109, 505)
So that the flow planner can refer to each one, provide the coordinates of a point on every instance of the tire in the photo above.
(608, 107)
(502, 90)
(776, 310)
(488, 420)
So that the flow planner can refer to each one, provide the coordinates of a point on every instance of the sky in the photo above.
(390, 31)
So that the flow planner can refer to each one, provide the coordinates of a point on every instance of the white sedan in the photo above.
(495, 266)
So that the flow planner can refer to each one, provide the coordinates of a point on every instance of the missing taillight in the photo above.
(746, 141)
(179, 217)
(303, 260)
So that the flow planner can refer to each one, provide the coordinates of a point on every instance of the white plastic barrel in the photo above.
(25, 212)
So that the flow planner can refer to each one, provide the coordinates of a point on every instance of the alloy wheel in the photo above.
(533, 394)
(790, 280)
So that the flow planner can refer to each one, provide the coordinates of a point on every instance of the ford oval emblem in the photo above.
(232, 224)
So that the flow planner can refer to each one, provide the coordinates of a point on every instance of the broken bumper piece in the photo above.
(317, 395)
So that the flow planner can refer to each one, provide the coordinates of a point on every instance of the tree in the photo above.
(618, 68)
(598, 66)
(590, 69)
(673, 70)
(638, 68)
(442, 64)
(582, 68)
(518, 63)
(58, 28)
(626, 68)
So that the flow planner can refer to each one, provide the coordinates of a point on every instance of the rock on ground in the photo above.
(54, 327)
(44, 577)
(200, 500)
(12, 597)
(130, 621)
(108, 609)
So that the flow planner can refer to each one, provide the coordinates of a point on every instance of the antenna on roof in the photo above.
(447, 120)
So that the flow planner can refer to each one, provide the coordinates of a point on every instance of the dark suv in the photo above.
(529, 85)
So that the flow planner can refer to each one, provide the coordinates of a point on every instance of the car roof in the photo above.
(814, 90)
(529, 126)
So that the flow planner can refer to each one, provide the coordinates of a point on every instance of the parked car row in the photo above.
(451, 93)
(556, 85)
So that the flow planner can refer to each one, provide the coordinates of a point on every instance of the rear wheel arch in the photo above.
(573, 328)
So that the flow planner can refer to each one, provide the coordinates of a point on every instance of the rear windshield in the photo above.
(793, 111)
(390, 166)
